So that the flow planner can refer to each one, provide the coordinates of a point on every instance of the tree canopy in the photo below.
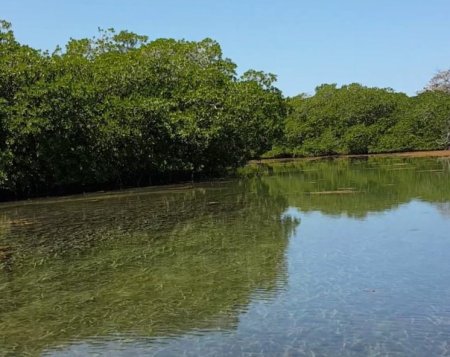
(119, 109)
(354, 119)
(440, 82)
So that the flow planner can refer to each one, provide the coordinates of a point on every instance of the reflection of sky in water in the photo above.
(369, 286)
(444, 208)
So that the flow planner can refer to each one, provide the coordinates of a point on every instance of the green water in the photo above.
(318, 258)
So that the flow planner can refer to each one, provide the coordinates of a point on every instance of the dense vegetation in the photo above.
(354, 119)
(120, 110)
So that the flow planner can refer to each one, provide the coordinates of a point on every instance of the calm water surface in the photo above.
(320, 258)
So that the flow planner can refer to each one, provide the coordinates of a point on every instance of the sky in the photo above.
(398, 44)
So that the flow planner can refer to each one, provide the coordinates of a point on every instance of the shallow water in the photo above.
(321, 258)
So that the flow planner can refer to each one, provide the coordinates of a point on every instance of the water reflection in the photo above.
(326, 257)
(356, 187)
(354, 288)
(444, 208)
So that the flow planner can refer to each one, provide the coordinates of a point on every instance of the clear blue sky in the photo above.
(386, 43)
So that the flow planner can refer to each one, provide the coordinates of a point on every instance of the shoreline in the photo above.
(92, 194)
(432, 153)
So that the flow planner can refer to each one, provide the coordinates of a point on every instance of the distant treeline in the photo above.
(354, 119)
(119, 110)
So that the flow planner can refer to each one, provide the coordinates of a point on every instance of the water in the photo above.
(318, 258)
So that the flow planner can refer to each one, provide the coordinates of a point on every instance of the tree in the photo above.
(440, 82)
(119, 110)
(346, 120)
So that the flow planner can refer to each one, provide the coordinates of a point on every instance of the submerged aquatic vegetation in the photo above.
(259, 264)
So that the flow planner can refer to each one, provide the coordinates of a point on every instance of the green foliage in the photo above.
(355, 119)
(424, 125)
(121, 110)
(350, 119)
